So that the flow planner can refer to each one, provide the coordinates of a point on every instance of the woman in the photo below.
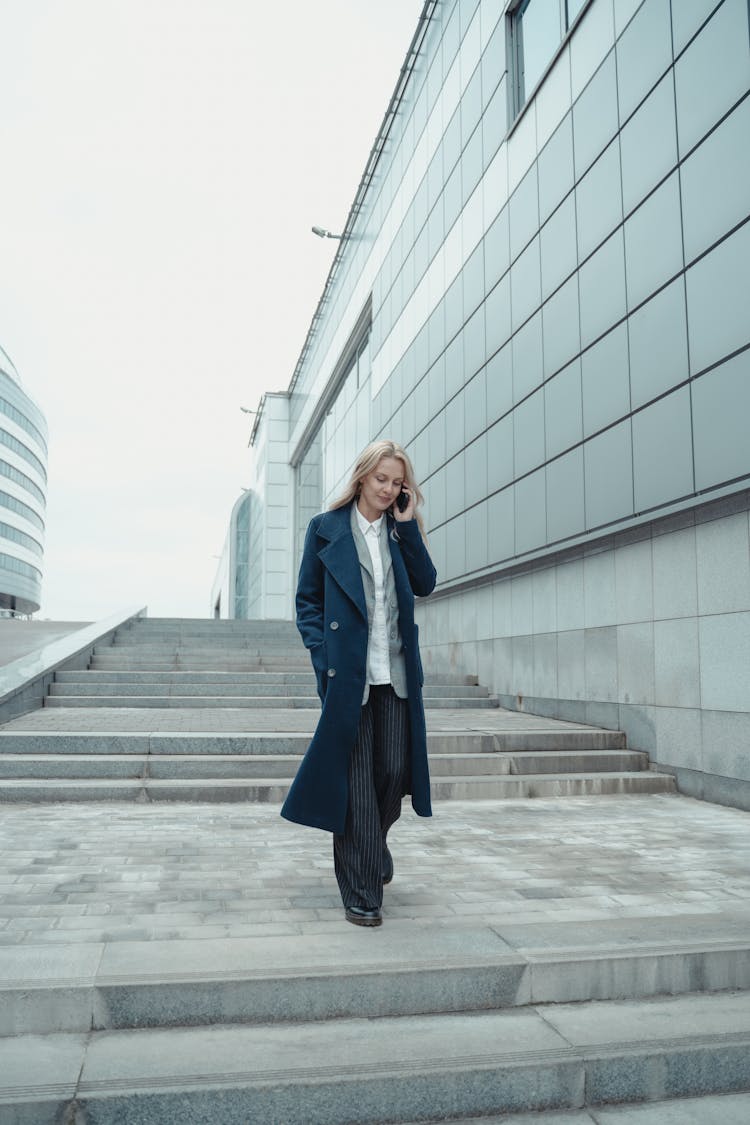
(363, 562)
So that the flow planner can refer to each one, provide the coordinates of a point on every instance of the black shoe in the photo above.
(387, 865)
(362, 917)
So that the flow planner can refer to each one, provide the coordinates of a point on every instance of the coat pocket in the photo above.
(320, 667)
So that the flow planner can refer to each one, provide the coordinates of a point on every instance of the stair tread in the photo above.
(415, 969)
(436, 778)
(381, 1058)
(404, 946)
(435, 757)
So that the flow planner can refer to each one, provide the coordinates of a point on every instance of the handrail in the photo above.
(24, 682)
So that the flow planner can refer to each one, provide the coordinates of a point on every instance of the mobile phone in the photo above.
(402, 500)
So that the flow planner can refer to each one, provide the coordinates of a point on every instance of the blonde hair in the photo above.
(368, 460)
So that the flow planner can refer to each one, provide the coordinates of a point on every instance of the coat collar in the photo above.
(343, 553)
(337, 522)
(339, 555)
(334, 524)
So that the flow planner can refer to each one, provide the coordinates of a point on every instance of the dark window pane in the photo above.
(540, 38)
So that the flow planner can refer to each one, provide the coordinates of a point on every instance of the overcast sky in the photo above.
(162, 162)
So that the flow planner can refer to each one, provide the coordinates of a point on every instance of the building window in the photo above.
(538, 27)
(346, 429)
(13, 412)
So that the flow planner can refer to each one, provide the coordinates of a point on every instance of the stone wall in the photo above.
(647, 631)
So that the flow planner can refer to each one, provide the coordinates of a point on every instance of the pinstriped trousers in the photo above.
(378, 778)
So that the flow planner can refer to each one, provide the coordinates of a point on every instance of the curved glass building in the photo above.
(23, 494)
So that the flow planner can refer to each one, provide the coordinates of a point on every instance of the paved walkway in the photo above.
(112, 872)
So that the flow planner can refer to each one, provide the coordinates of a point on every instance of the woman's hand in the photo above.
(408, 512)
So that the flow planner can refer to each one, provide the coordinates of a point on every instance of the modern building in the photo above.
(23, 494)
(229, 594)
(542, 292)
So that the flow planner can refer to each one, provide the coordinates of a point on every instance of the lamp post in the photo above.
(323, 233)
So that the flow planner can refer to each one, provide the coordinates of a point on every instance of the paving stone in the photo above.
(471, 857)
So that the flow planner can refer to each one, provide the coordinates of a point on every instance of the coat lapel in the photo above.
(339, 556)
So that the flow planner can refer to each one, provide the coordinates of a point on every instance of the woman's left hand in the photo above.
(408, 512)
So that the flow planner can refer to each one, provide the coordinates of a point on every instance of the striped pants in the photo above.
(378, 778)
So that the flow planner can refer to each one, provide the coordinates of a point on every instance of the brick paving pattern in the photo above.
(112, 872)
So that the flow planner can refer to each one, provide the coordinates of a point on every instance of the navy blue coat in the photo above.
(332, 618)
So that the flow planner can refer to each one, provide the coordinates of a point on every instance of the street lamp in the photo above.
(323, 233)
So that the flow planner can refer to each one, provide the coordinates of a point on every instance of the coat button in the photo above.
(334, 624)
(331, 672)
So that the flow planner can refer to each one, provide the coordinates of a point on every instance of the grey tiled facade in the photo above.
(546, 304)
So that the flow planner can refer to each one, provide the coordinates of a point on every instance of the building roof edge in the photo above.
(366, 179)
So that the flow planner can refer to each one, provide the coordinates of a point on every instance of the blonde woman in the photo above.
(363, 562)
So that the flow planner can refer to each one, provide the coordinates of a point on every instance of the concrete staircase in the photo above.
(609, 1012)
(415, 1023)
(203, 710)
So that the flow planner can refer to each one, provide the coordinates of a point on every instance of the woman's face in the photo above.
(381, 487)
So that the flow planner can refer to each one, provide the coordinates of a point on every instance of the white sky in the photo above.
(161, 164)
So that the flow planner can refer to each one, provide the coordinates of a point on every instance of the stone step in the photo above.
(213, 624)
(217, 653)
(711, 1109)
(48, 743)
(413, 968)
(211, 629)
(519, 763)
(185, 702)
(472, 787)
(210, 640)
(204, 664)
(229, 643)
(115, 676)
(187, 677)
(61, 765)
(397, 1069)
(239, 646)
(135, 766)
(274, 789)
(287, 742)
(132, 692)
(267, 688)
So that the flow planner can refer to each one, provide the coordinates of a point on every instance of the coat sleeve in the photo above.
(422, 574)
(310, 588)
